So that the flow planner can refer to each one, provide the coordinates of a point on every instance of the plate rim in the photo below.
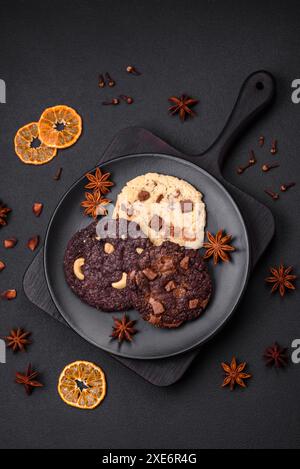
(210, 335)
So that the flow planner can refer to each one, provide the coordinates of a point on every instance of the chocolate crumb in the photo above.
(171, 285)
(157, 306)
(193, 303)
(143, 196)
(166, 264)
(150, 274)
(154, 320)
(179, 292)
(186, 206)
(184, 263)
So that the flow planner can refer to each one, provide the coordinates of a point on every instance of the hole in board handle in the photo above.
(259, 85)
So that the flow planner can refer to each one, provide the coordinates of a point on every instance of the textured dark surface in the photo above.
(52, 52)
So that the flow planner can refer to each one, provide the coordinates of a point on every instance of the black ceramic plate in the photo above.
(229, 279)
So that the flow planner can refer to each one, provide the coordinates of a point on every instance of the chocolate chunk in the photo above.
(186, 206)
(140, 280)
(157, 306)
(132, 275)
(193, 303)
(174, 231)
(171, 231)
(143, 195)
(188, 236)
(166, 264)
(204, 302)
(154, 320)
(156, 223)
(184, 263)
(150, 274)
(159, 198)
(179, 292)
(170, 286)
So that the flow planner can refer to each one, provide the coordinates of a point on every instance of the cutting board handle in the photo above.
(256, 94)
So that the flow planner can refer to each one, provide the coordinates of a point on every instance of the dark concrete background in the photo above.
(51, 52)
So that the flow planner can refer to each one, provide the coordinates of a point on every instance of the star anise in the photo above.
(234, 374)
(99, 181)
(4, 211)
(182, 105)
(123, 329)
(218, 247)
(17, 340)
(282, 279)
(94, 204)
(276, 356)
(28, 380)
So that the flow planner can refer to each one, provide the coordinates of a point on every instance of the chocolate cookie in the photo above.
(96, 269)
(171, 285)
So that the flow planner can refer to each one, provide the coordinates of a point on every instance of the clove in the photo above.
(267, 167)
(111, 82)
(113, 102)
(272, 194)
(252, 161)
(241, 169)
(286, 187)
(132, 70)
(127, 99)
(261, 141)
(274, 148)
(101, 82)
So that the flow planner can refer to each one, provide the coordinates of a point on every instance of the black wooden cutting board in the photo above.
(256, 94)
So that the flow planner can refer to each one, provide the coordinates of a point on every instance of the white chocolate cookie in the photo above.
(165, 207)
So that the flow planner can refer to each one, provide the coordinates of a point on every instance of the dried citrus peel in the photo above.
(29, 147)
(82, 384)
(60, 126)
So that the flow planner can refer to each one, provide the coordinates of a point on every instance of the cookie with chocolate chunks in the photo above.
(172, 285)
(96, 268)
(167, 209)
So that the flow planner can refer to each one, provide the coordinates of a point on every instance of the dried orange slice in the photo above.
(29, 147)
(82, 384)
(60, 126)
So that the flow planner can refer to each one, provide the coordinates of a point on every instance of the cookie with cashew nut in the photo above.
(96, 267)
